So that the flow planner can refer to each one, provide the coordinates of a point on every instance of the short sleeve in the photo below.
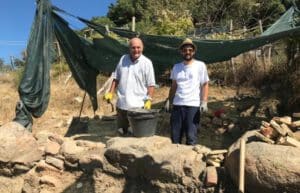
(150, 75)
(204, 75)
(116, 73)
(172, 75)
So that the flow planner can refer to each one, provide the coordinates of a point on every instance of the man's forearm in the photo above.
(150, 91)
(172, 91)
(113, 86)
(204, 92)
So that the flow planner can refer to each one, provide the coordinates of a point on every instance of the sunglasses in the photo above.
(187, 50)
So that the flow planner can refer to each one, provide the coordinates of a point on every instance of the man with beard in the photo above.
(188, 94)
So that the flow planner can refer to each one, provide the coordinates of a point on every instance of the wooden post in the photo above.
(12, 62)
(59, 58)
(81, 108)
(262, 48)
(233, 64)
(260, 26)
(133, 24)
(269, 56)
(242, 166)
(244, 53)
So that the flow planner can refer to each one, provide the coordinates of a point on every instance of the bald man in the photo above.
(134, 79)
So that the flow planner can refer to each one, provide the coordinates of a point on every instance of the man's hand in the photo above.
(108, 96)
(203, 106)
(147, 104)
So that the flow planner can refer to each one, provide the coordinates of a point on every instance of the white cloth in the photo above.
(133, 80)
(189, 79)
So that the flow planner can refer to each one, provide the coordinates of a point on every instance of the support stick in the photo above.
(242, 166)
(82, 105)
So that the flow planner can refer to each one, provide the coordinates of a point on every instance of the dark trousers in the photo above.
(184, 120)
(122, 120)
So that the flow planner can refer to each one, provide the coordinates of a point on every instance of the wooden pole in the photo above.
(242, 166)
(233, 64)
(133, 24)
(260, 26)
(12, 62)
(262, 48)
(81, 108)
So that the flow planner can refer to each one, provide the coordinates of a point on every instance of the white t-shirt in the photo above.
(133, 78)
(189, 79)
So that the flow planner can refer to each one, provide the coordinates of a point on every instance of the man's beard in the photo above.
(187, 57)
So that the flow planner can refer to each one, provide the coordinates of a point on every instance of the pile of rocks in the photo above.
(281, 130)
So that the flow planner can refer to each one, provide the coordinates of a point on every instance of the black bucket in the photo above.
(143, 122)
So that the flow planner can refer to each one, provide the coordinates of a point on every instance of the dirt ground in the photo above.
(62, 115)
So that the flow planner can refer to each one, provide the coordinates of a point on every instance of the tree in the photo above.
(150, 14)
(1, 63)
(103, 21)
(170, 23)
(289, 3)
(122, 12)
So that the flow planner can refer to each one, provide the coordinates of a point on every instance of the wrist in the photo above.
(148, 98)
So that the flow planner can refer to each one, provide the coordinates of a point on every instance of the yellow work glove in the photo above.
(147, 104)
(108, 96)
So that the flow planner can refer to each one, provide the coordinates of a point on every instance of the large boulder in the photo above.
(18, 148)
(157, 160)
(268, 168)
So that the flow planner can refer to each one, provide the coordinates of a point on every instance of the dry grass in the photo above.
(9, 97)
(66, 99)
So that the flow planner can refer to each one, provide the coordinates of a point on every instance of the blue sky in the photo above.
(17, 17)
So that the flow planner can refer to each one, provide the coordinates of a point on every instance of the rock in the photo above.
(79, 185)
(44, 136)
(6, 171)
(220, 131)
(70, 165)
(297, 135)
(18, 145)
(211, 176)
(56, 138)
(217, 121)
(266, 169)
(71, 151)
(58, 163)
(52, 148)
(91, 160)
(11, 185)
(248, 112)
(19, 169)
(31, 183)
(43, 166)
(50, 181)
(89, 144)
(201, 149)
(155, 158)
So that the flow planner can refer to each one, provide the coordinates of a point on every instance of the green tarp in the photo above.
(34, 89)
(86, 59)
